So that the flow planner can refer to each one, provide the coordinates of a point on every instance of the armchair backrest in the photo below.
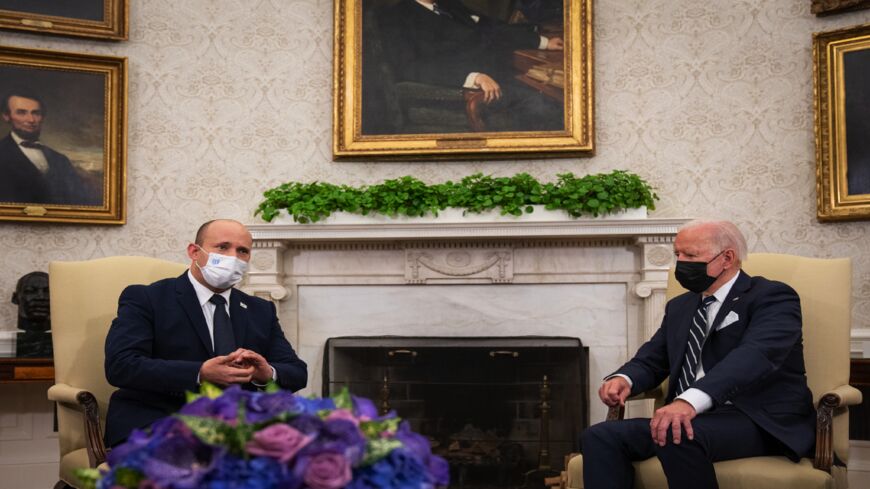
(84, 301)
(825, 290)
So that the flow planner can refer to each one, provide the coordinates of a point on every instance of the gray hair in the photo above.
(723, 234)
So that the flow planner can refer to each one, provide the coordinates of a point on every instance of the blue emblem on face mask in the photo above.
(215, 261)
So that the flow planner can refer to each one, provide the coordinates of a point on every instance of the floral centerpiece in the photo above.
(272, 439)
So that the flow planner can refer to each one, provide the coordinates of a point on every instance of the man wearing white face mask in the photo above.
(176, 333)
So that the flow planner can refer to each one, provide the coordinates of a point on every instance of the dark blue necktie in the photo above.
(697, 333)
(224, 342)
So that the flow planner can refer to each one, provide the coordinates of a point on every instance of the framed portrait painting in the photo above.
(842, 114)
(828, 7)
(96, 19)
(462, 79)
(63, 137)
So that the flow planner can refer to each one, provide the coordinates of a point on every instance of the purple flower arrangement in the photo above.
(237, 439)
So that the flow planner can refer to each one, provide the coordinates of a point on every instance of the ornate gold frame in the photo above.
(114, 73)
(113, 26)
(834, 200)
(828, 7)
(348, 142)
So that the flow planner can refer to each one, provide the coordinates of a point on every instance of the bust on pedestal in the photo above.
(34, 318)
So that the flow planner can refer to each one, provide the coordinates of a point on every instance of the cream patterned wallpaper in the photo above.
(710, 101)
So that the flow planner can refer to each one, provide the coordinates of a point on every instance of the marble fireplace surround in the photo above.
(601, 280)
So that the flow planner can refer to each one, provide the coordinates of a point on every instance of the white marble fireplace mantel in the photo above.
(601, 280)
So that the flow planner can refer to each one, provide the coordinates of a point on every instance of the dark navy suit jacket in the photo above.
(158, 342)
(756, 362)
(21, 182)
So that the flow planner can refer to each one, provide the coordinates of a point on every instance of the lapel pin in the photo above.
(244, 306)
(734, 299)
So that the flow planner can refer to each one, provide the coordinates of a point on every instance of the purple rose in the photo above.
(343, 414)
(327, 471)
(439, 471)
(278, 441)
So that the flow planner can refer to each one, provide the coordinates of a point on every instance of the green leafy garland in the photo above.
(588, 195)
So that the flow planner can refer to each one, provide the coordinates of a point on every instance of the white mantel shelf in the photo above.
(579, 228)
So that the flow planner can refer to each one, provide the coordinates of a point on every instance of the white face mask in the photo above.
(222, 271)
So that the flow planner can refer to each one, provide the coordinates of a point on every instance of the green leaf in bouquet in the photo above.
(379, 448)
(272, 387)
(343, 399)
(88, 477)
(129, 478)
(373, 429)
(209, 430)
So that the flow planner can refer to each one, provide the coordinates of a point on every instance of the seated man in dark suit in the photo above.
(732, 351)
(176, 333)
(33, 173)
(446, 43)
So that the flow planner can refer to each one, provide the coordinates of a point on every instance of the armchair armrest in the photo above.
(84, 401)
(842, 396)
(618, 412)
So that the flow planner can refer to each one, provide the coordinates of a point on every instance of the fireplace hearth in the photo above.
(496, 408)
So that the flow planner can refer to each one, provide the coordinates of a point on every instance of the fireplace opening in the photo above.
(503, 411)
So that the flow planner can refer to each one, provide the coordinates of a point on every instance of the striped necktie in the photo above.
(697, 333)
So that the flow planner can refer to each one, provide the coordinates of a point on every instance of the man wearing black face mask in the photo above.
(732, 351)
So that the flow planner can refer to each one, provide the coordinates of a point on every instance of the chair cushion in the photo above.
(754, 473)
(69, 463)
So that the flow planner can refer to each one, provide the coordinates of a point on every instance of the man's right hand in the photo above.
(491, 88)
(225, 370)
(614, 391)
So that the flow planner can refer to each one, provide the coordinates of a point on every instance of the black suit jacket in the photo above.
(430, 48)
(158, 342)
(21, 182)
(756, 362)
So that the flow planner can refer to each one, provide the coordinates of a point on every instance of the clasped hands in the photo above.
(239, 367)
(677, 415)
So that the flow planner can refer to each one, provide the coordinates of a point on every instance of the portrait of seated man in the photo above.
(449, 66)
(33, 172)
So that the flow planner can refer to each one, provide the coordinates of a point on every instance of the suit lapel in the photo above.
(238, 317)
(190, 305)
(732, 299)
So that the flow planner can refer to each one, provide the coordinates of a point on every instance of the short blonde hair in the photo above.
(723, 234)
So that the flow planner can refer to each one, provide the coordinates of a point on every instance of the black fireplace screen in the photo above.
(503, 411)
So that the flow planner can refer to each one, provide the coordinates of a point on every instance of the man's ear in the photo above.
(192, 251)
(15, 298)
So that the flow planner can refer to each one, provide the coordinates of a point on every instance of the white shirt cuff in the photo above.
(469, 80)
(543, 43)
(626, 377)
(698, 399)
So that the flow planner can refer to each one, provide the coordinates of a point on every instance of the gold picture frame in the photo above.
(563, 78)
(828, 7)
(72, 108)
(841, 65)
(94, 19)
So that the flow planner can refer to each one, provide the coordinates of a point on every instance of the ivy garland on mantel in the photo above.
(578, 196)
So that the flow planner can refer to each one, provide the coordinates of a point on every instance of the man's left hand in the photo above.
(678, 417)
(262, 369)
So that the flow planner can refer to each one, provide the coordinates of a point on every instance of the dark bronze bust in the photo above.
(34, 318)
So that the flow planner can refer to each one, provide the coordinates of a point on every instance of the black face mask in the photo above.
(692, 275)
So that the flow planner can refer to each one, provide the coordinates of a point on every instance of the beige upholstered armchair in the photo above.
(824, 287)
(84, 300)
